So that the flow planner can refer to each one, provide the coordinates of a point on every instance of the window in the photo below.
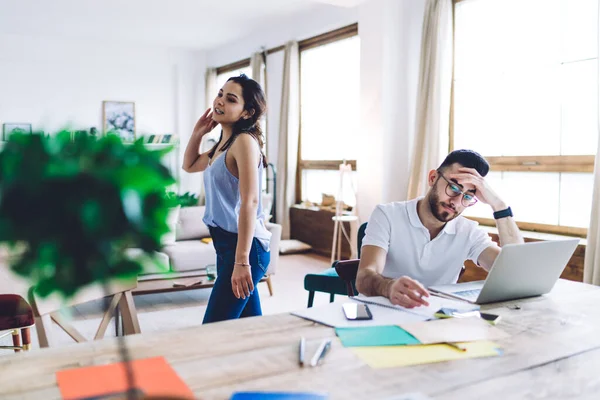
(223, 76)
(329, 106)
(525, 95)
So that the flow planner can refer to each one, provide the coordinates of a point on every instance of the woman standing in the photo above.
(233, 171)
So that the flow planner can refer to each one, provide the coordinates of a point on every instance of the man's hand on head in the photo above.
(407, 292)
(483, 191)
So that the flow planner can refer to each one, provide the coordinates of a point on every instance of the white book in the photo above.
(383, 311)
(332, 315)
(435, 304)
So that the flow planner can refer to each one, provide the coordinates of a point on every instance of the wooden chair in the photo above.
(16, 317)
(119, 293)
(347, 270)
(329, 281)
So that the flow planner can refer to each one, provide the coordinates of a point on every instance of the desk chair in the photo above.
(329, 281)
(16, 317)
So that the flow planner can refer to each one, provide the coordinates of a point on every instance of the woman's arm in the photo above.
(247, 159)
(193, 161)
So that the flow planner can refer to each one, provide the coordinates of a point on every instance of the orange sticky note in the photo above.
(151, 376)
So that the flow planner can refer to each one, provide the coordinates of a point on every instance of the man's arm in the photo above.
(404, 291)
(508, 232)
(369, 280)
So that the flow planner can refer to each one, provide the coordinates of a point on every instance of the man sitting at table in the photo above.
(411, 245)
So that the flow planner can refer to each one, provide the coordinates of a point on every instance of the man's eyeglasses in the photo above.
(453, 190)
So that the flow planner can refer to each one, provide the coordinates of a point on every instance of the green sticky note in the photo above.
(388, 335)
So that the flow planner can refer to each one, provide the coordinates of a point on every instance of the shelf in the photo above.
(161, 145)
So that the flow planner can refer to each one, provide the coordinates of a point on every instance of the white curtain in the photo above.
(591, 269)
(289, 131)
(209, 139)
(434, 95)
(258, 66)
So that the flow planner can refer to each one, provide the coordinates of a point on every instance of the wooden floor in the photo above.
(168, 311)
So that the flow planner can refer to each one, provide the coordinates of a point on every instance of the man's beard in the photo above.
(438, 210)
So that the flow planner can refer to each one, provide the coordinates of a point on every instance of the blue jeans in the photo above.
(222, 304)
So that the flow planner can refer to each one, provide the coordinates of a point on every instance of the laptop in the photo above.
(519, 271)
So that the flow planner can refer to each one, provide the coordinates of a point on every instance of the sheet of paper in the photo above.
(391, 335)
(454, 330)
(332, 315)
(400, 356)
(152, 377)
(435, 303)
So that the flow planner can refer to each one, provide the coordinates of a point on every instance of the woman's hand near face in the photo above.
(205, 124)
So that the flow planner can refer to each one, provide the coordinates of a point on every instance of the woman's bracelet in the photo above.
(242, 264)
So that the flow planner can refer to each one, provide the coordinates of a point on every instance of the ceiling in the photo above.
(194, 24)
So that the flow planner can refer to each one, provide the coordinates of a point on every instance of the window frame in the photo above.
(233, 66)
(329, 165)
(553, 163)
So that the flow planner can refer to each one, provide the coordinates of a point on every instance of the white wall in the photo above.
(53, 83)
(321, 19)
(390, 34)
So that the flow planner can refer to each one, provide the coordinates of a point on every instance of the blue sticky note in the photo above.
(388, 335)
(278, 396)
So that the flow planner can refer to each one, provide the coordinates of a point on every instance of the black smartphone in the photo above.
(356, 311)
(491, 318)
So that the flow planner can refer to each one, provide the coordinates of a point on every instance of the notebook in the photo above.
(332, 315)
(152, 377)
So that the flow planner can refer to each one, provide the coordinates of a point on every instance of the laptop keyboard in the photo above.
(469, 294)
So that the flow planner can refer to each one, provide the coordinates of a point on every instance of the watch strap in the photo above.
(507, 212)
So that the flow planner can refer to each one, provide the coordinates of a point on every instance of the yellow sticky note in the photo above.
(401, 356)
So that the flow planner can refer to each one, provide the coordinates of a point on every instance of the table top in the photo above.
(553, 352)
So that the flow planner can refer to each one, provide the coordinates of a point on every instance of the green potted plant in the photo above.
(71, 207)
(184, 200)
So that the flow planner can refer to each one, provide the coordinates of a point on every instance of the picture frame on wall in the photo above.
(11, 128)
(119, 117)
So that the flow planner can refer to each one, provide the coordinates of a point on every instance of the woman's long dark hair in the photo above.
(256, 105)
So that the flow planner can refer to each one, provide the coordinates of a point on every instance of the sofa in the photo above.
(185, 255)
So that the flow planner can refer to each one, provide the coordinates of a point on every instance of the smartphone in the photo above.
(491, 318)
(356, 311)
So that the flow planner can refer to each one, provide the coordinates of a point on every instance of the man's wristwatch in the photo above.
(503, 213)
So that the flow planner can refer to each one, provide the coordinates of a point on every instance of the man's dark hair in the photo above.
(468, 159)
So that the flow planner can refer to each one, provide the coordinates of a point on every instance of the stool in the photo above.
(16, 316)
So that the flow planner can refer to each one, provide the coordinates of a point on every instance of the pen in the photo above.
(456, 346)
(301, 351)
(321, 352)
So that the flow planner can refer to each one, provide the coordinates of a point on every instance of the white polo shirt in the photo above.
(397, 228)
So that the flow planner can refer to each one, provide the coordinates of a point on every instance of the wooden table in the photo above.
(553, 353)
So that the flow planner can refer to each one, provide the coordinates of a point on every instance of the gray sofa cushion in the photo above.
(172, 221)
(275, 230)
(158, 263)
(190, 225)
(187, 255)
